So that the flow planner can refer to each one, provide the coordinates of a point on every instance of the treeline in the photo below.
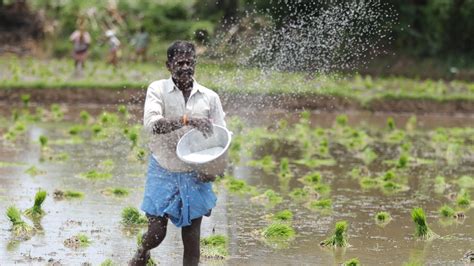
(419, 27)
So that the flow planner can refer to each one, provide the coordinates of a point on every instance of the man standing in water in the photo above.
(173, 190)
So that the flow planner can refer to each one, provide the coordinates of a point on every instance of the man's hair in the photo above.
(181, 47)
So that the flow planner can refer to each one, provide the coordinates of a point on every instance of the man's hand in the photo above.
(202, 124)
(206, 178)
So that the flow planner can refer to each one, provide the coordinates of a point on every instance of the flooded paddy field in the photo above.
(322, 167)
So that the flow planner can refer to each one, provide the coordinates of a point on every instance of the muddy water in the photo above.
(98, 215)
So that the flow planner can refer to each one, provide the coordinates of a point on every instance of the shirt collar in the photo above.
(172, 86)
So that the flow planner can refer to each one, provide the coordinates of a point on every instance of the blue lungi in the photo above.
(178, 195)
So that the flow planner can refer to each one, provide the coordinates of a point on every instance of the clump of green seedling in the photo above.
(25, 98)
(117, 192)
(278, 231)
(463, 199)
(107, 262)
(133, 137)
(96, 129)
(33, 171)
(299, 194)
(75, 130)
(322, 204)
(339, 237)
(43, 140)
(131, 216)
(214, 247)
(285, 171)
(267, 164)
(402, 161)
(311, 179)
(341, 120)
(19, 227)
(352, 262)
(446, 211)
(465, 181)
(422, 230)
(85, 116)
(269, 198)
(77, 241)
(68, 194)
(122, 109)
(369, 183)
(237, 186)
(57, 112)
(36, 210)
(391, 123)
(440, 184)
(283, 216)
(382, 218)
(96, 175)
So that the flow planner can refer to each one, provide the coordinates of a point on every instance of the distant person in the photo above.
(114, 47)
(173, 190)
(140, 43)
(81, 41)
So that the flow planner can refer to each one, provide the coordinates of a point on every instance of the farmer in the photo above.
(114, 46)
(140, 43)
(81, 41)
(173, 191)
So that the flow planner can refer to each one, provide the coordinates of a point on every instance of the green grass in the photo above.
(362, 89)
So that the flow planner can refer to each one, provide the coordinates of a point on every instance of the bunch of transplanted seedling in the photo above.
(214, 247)
(36, 211)
(422, 231)
(339, 237)
(19, 227)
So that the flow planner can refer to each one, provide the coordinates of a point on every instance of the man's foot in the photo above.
(141, 258)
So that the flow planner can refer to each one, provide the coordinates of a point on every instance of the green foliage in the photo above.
(214, 247)
(339, 237)
(422, 231)
(131, 216)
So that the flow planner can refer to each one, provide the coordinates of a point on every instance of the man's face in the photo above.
(182, 66)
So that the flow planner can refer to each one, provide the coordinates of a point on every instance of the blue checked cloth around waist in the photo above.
(178, 195)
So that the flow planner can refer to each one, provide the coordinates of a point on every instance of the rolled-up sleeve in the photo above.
(153, 110)
(217, 112)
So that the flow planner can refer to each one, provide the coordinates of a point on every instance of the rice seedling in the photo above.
(311, 179)
(402, 161)
(283, 216)
(68, 194)
(446, 211)
(19, 227)
(43, 140)
(339, 237)
(440, 184)
(422, 231)
(352, 262)
(321, 204)
(410, 126)
(122, 109)
(214, 247)
(341, 120)
(369, 183)
(107, 262)
(57, 112)
(268, 198)
(299, 194)
(368, 156)
(391, 123)
(77, 241)
(33, 171)
(131, 216)
(133, 137)
(74, 130)
(382, 218)
(85, 116)
(36, 210)
(238, 186)
(267, 164)
(285, 171)
(463, 199)
(465, 182)
(96, 175)
(96, 129)
(117, 192)
(106, 165)
(278, 232)
(25, 98)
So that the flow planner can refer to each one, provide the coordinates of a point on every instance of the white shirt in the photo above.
(164, 99)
